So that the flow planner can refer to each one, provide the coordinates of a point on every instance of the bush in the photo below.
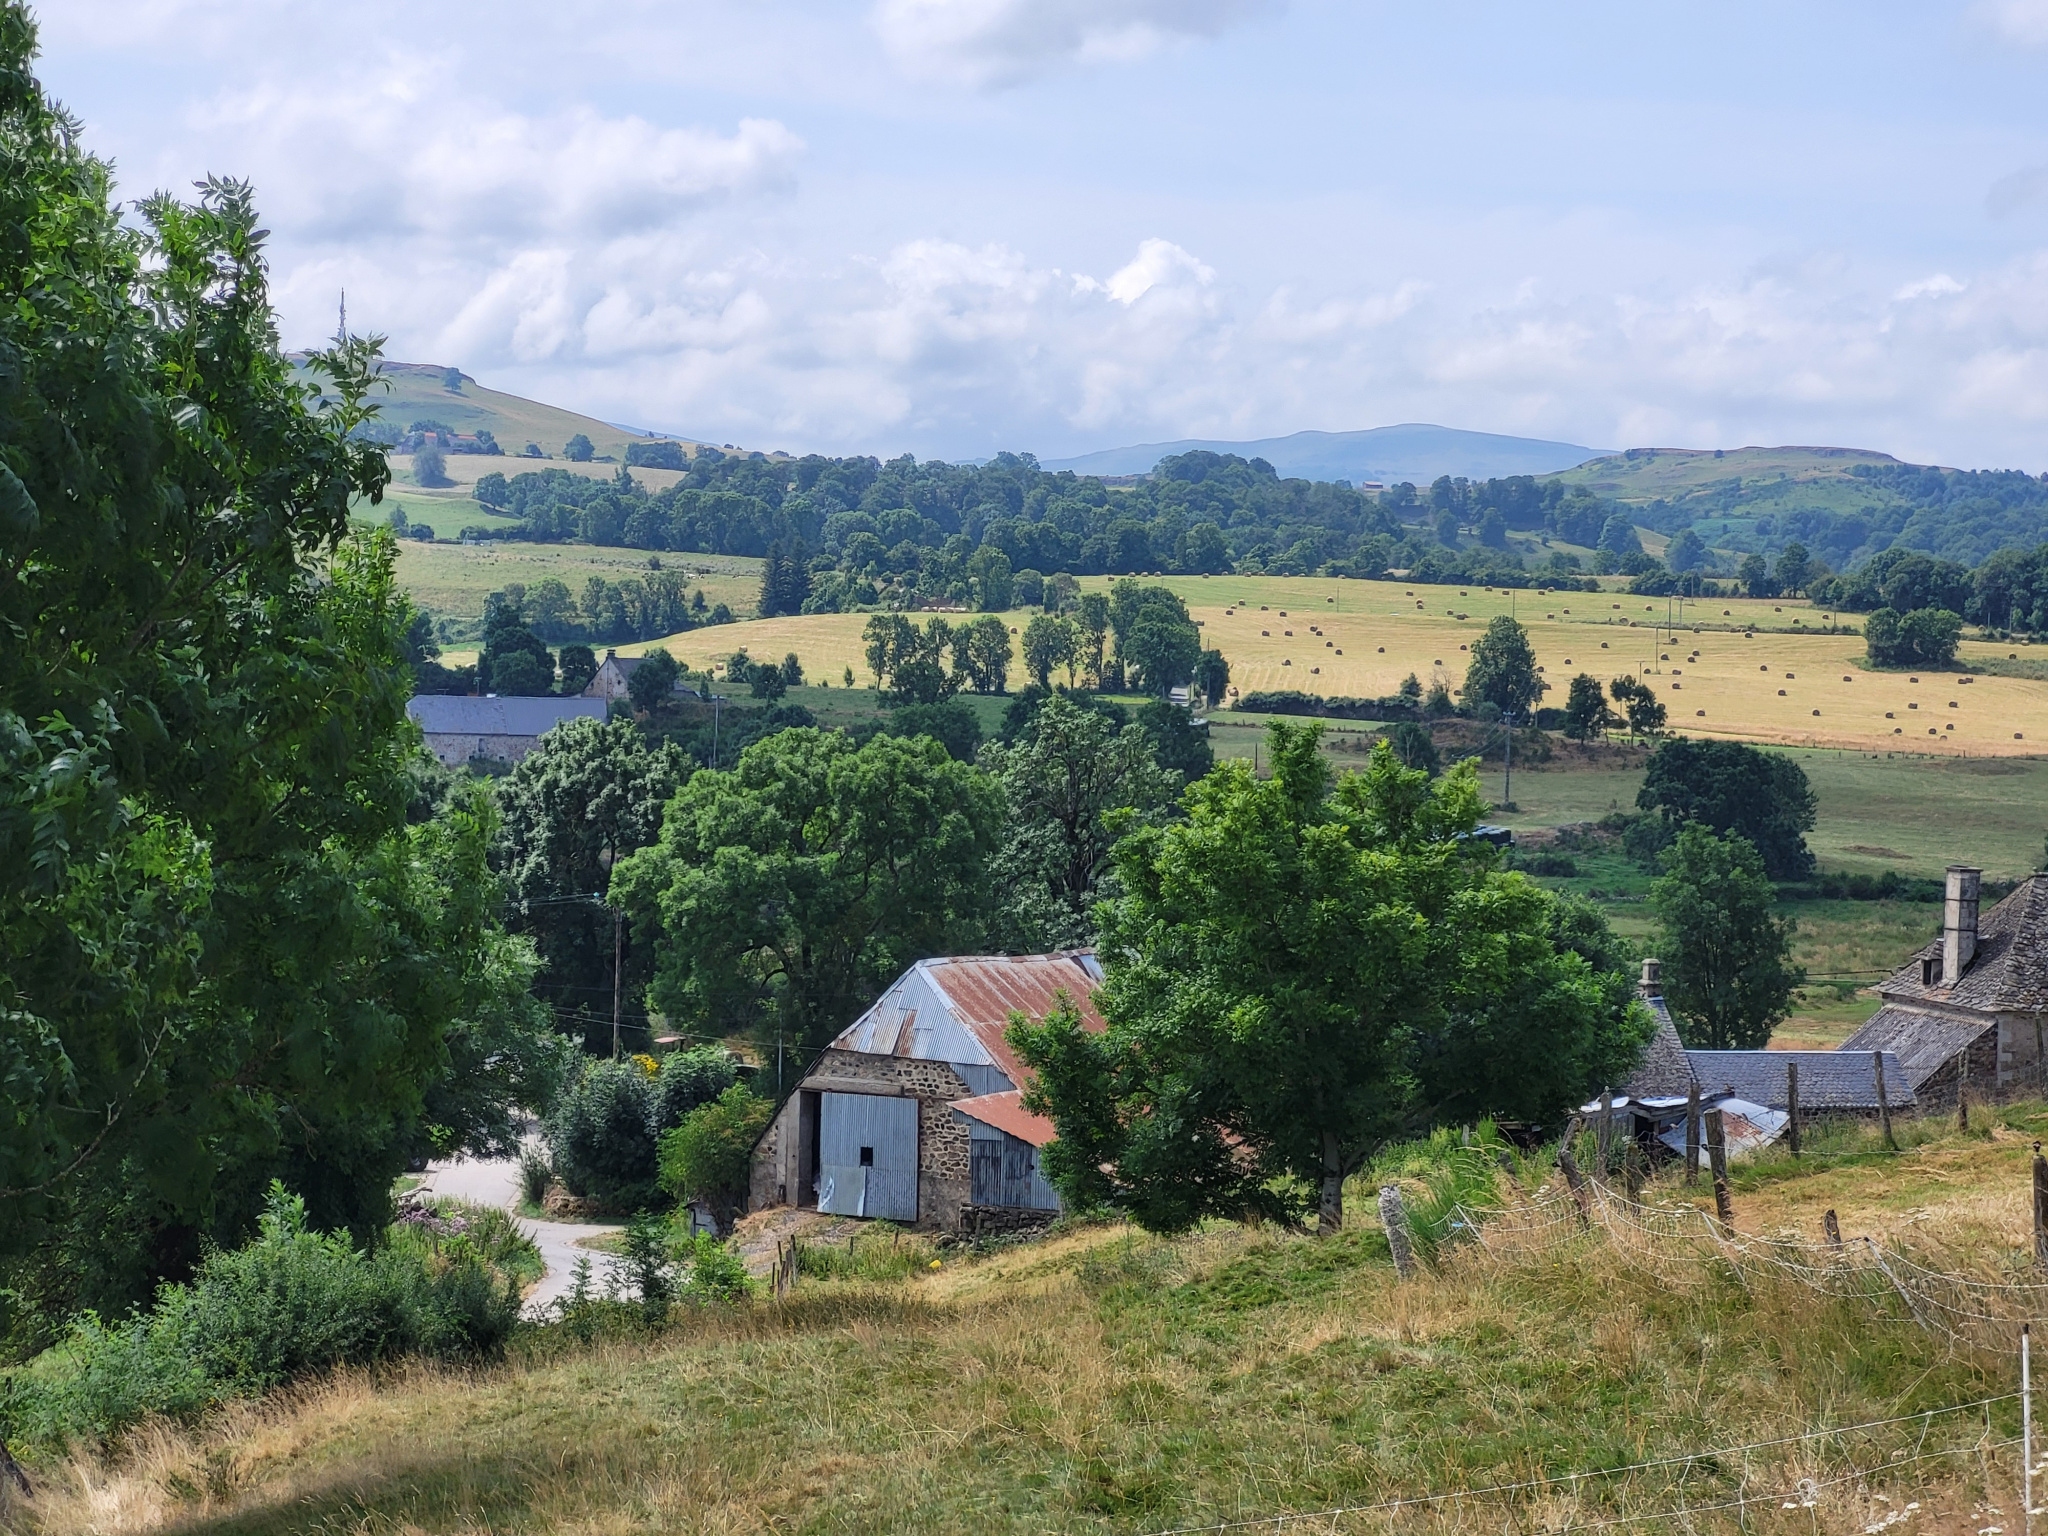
(602, 1138)
(689, 1079)
(709, 1155)
(290, 1304)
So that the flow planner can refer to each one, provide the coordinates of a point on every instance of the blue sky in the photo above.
(952, 226)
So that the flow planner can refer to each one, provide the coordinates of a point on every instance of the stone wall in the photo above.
(991, 1220)
(454, 748)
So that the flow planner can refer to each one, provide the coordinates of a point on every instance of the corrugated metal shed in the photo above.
(1923, 1042)
(1746, 1126)
(455, 714)
(956, 1010)
(1841, 1079)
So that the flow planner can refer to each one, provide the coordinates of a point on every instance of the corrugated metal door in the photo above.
(867, 1156)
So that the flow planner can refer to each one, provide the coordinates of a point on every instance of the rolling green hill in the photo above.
(417, 392)
(1845, 504)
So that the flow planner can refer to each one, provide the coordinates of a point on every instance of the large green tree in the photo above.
(1728, 972)
(589, 794)
(786, 893)
(1503, 671)
(1300, 971)
(225, 955)
(1073, 781)
(1763, 797)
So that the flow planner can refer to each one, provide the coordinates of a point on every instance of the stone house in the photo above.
(459, 727)
(1967, 1009)
(914, 1111)
(1657, 1092)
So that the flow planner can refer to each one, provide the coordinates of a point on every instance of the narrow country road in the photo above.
(495, 1181)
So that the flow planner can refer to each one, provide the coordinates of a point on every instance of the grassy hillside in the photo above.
(416, 392)
(1644, 474)
(1106, 1381)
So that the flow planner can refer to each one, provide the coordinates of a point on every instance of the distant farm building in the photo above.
(1755, 1086)
(614, 679)
(914, 1112)
(463, 727)
(1966, 1011)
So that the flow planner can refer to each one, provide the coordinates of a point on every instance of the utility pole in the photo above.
(1507, 794)
(618, 955)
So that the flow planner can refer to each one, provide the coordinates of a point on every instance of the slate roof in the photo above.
(456, 714)
(1663, 1072)
(956, 1009)
(1923, 1042)
(1842, 1079)
(2011, 968)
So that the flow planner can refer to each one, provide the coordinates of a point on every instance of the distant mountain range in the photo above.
(1416, 452)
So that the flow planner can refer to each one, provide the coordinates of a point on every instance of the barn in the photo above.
(914, 1112)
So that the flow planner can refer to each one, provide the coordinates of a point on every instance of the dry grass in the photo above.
(1387, 630)
(1107, 1381)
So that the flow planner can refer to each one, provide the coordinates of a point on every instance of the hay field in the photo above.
(1789, 683)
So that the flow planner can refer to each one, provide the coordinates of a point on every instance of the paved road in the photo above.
(496, 1182)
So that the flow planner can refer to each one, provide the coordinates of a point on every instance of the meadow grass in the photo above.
(1106, 1380)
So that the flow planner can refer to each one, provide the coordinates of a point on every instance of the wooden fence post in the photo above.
(1717, 1162)
(1394, 1217)
(2040, 1208)
(1884, 1104)
(1692, 1133)
(1574, 1181)
(1831, 1229)
(12, 1469)
(1792, 1104)
(1606, 1137)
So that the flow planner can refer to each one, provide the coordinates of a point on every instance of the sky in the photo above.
(949, 227)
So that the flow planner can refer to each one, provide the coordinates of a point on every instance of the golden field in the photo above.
(1784, 680)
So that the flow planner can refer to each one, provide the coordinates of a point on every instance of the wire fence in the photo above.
(1860, 1474)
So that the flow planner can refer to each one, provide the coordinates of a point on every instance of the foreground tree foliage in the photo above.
(224, 954)
(1302, 971)
(783, 895)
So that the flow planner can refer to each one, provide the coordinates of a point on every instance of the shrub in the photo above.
(534, 1175)
(290, 1304)
(602, 1139)
(708, 1156)
(689, 1079)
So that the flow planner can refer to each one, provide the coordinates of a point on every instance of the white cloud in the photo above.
(992, 43)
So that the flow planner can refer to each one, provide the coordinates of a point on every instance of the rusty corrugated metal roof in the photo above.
(957, 1008)
(1006, 1112)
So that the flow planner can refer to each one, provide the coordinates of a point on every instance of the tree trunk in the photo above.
(1330, 1218)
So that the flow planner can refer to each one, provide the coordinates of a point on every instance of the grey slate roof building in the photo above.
(1968, 1008)
(459, 727)
(1844, 1081)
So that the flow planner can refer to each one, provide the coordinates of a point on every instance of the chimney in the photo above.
(1959, 922)
(1652, 984)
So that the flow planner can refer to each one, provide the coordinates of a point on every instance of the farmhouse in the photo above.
(459, 727)
(1655, 1096)
(1966, 1010)
(913, 1112)
(614, 678)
